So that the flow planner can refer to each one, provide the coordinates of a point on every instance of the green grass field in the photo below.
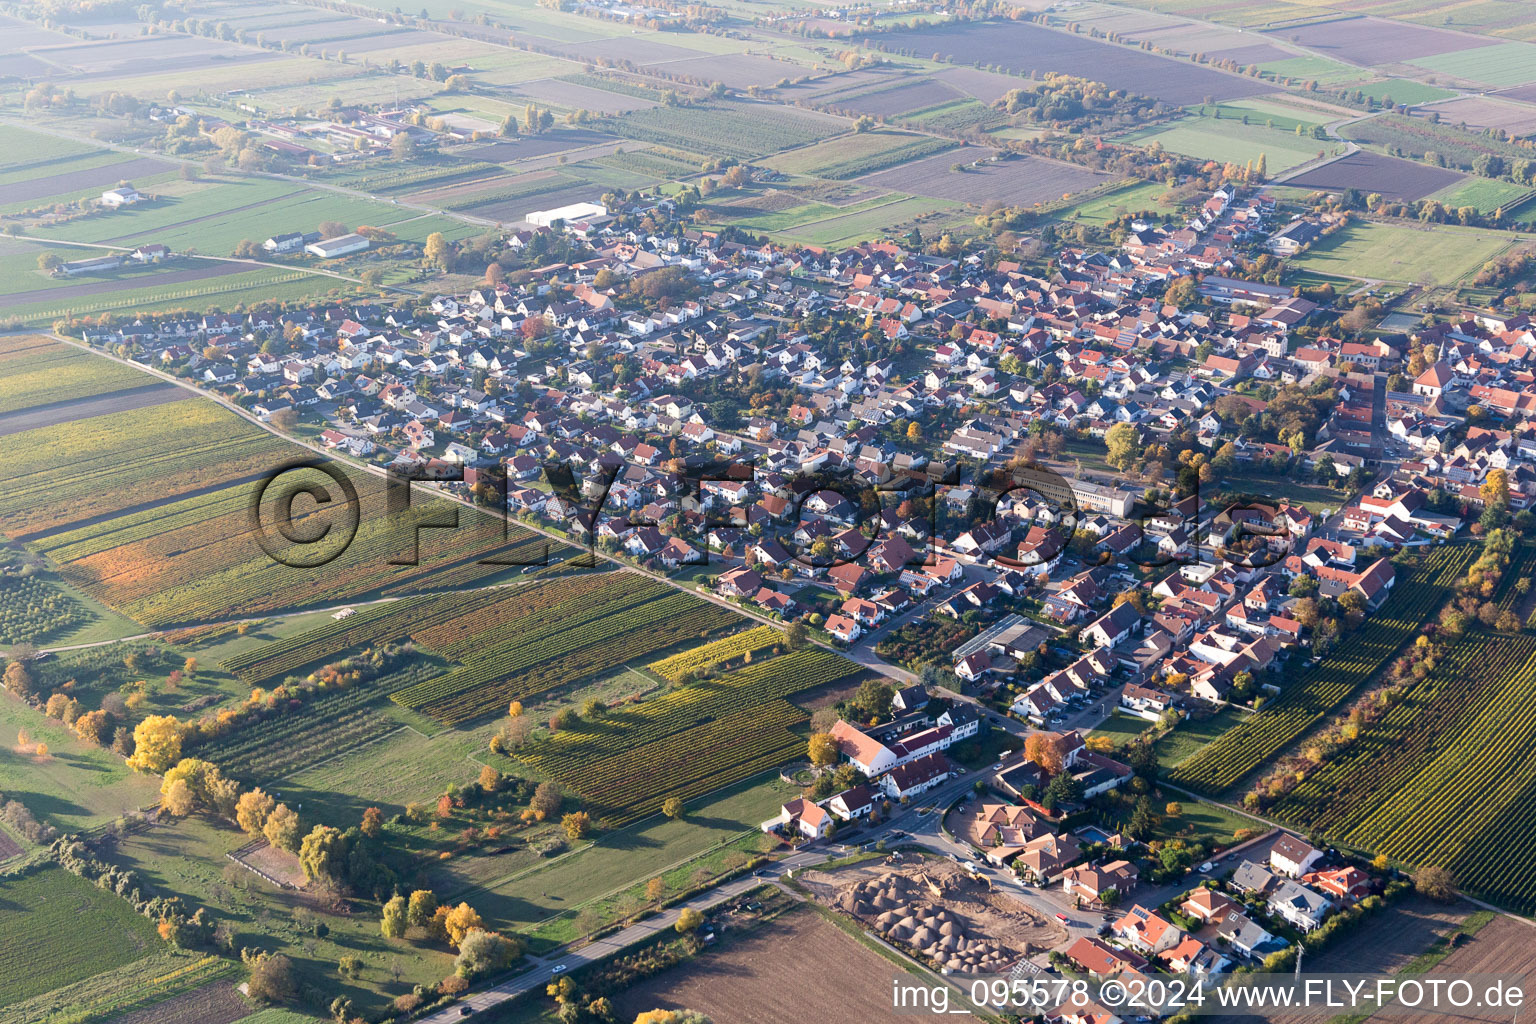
(1231, 141)
(189, 858)
(618, 860)
(75, 786)
(1121, 727)
(847, 228)
(1191, 735)
(859, 153)
(1500, 64)
(1404, 90)
(1318, 69)
(56, 929)
(390, 773)
(1485, 194)
(1130, 199)
(1396, 252)
(1280, 116)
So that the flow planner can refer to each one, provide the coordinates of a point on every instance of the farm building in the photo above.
(341, 245)
(572, 214)
(127, 195)
(91, 265)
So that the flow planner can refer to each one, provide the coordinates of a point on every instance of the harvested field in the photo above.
(1028, 48)
(1372, 172)
(1261, 53)
(216, 1003)
(161, 53)
(635, 49)
(739, 71)
(574, 96)
(1371, 41)
(933, 907)
(23, 35)
(46, 185)
(762, 978)
(1503, 946)
(526, 146)
(1384, 944)
(22, 65)
(898, 99)
(1525, 94)
(1021, 181)
(986, 86)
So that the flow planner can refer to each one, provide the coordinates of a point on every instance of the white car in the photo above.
(558, 969)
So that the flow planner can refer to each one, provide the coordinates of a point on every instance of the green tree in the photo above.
(1123, 445)
(423, 904)
(323, 854)
(396, 917)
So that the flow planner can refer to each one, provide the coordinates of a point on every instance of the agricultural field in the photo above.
(689, 740)
(1372, 41)
(726, 652)
(747, 131)
(1398, 252)
(970, 175)
(761, 978)
(1483, 112)
(137, 990)
(1484, 195)
(1030, 49)
(1192, 735)
(1367, 172)
(1418, 136)
(1314, 69)
(1229, 140)
(1131, 198)
(887, 218)
(849, 156)
(1446, 777)
(898, 96)
(196, 558)
(551, 636)
(1500, 64)
(556, 900)
(42, 945)
(171, 449)
(37, 371)
(1314, 692)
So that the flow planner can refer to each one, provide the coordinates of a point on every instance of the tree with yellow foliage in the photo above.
(460, 921)
(252, 810)
(156, 744)
(176, 798)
